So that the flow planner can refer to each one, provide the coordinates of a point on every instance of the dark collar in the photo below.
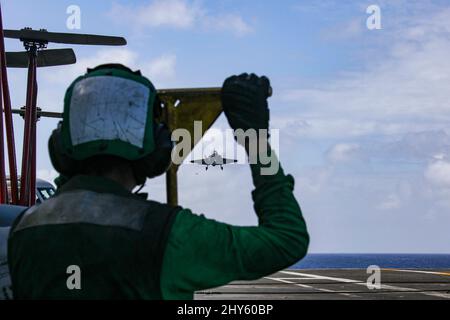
(98, 184)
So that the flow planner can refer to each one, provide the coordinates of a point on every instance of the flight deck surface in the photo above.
(332, 284)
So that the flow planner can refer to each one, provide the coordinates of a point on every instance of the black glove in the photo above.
(244, 101)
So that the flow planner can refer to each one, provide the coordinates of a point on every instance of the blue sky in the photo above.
(363, 114)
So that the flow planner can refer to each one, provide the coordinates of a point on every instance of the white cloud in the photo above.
(162, 68)
(403, 86)
(123, 56)
(347, 30)
(343, 152)
(69, 73)
(391, 202)
(230, 22)
(315, 6)
(413, 147)
(158, 13)
(179, 14)
(438, 173)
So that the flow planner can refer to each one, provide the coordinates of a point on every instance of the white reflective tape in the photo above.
(108, 108)
(82, 206)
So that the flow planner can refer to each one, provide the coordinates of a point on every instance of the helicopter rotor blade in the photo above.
(40, 113)
(45, 58)
(68, 38)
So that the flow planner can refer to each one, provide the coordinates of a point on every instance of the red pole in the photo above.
(28, 136)
(32, 186)
(33, 170)
(3, 184)
(8, 119)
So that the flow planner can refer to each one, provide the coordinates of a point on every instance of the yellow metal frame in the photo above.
(182, 108)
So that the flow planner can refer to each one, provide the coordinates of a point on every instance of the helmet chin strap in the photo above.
(140, 180)
(140, 188)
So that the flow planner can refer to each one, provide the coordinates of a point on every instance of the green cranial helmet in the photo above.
(109, 111)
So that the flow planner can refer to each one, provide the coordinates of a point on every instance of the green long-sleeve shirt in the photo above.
(199, 253)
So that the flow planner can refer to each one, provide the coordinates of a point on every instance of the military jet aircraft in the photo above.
(215, 159)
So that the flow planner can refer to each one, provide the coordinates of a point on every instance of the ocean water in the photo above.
(331, 261)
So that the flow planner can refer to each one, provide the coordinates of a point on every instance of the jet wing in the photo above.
(202, 162)
(227, 161)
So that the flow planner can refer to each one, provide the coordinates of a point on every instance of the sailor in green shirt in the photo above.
(126, 246)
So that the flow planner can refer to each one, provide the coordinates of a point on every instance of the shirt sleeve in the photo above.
(203, 253)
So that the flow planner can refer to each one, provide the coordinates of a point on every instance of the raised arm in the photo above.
(203, 253)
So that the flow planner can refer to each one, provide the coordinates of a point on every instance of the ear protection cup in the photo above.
(60, 161)
(159, 161)
(152, 165)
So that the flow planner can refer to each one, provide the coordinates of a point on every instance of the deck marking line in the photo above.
(311, 287)
(294, 278)
(419, 271)
(383, 286)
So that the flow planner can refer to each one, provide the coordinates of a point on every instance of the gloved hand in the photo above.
(244, 101)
